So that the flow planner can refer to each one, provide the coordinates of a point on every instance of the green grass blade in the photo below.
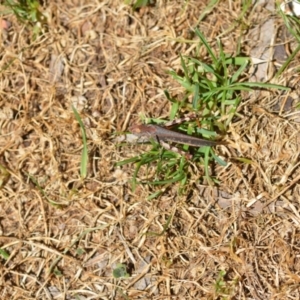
(219, 160)
(185, 70)
(154, 195)
(196, 96)
(288, 61)
(208, 8)
(174, 110)
(127, 161)
(239, 72)
(84, 155)
(51, 202)
(165, 228)
(174, 179)
(207, 46)
(237, 61)
(259, 85)
(206, 162)
(4, 254)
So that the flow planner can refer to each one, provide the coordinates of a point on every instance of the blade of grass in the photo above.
(287, 62)
(4, 254)
(206, 163)
(196, 96)
(165, 228)
(154, 195)
(174, 110)
(208, 48)
(168, 181)
(84, 155)
(185, 69)
(208, 8)
(238, 73)
(51, 202)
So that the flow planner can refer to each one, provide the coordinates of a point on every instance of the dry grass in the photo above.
(239, 240)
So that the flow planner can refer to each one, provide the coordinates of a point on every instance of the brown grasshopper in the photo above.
(163, 135)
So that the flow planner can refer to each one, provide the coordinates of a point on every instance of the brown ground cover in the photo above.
(237, 240)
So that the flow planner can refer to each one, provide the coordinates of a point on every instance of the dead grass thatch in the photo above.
(62, 237)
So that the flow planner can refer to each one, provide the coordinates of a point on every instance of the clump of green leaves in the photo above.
(213, 90)
(224, 288)
(120, 271)
(215, 87)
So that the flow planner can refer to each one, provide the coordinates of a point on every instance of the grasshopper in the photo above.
(163, 135)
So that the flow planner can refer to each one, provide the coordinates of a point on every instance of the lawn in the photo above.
(87, 213)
